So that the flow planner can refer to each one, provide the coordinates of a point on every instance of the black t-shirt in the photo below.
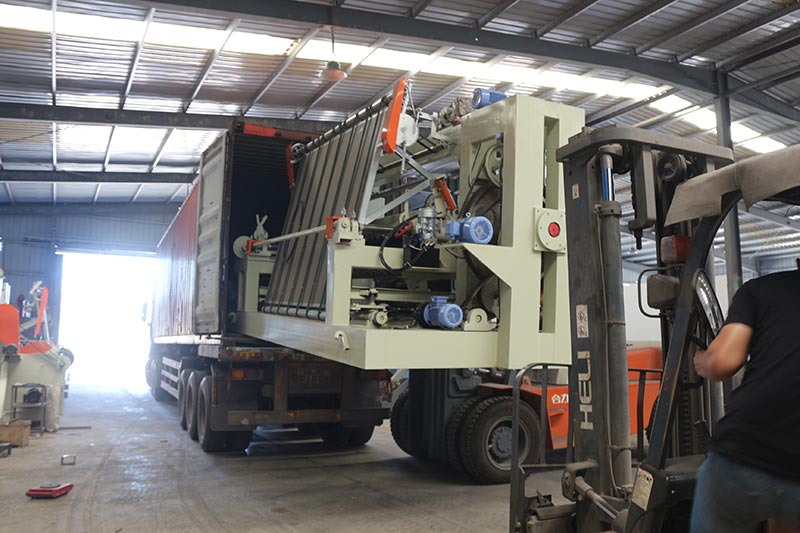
(761, 426)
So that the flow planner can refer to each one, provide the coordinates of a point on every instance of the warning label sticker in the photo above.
(642, 488)
(582, 320)
(576, 192)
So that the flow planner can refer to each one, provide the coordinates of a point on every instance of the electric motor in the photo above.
(440, 314)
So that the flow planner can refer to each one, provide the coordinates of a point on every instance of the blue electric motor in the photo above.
(440, 314)
(475, 230)
(483, 97)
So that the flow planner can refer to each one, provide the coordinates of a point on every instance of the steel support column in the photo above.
(733, 243)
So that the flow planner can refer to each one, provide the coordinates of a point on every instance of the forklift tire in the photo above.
(340, 436)
(398, 422)
(485, 441)
(192, 394)
(239, 441)
(210, 440)
(183, 382)
(452, 432)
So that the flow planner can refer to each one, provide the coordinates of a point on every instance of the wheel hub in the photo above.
(501, 442)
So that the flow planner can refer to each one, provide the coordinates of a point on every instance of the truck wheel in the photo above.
(210, 440)
(335, 434)
(452, 431)
(340, 436)
(192, 393)
(398, 422)
(183, 382)
(155, 381)
(360, 436)
(485, 441)
(239, 441)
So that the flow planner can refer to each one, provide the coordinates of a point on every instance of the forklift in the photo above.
(681, 192)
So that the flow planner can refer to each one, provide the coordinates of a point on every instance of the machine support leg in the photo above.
(620, 426)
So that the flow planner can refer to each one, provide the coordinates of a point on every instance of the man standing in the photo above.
(752, 472)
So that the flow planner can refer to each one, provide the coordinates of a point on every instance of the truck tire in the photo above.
(452, 431)
(485, 440)
(340, 436)
(183, 383)
(398, 422)
(210, 440)
(239, 441)
(361, 435)
(192, 392)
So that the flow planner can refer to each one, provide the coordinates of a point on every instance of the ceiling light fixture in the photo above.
(333, 70)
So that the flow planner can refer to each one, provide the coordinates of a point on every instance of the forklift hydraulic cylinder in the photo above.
(616, 352)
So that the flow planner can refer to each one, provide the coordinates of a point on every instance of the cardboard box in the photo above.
(18, 432)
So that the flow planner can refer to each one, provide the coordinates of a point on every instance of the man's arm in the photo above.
(726, 354)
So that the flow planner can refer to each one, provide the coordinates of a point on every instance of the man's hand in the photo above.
(726, 354)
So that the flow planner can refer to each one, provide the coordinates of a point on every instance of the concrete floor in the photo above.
(138, 471)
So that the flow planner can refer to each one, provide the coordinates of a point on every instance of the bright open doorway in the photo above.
(103, 307)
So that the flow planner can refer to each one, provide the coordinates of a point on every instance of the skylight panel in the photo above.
(395, 59)
(763, 145)
(321, 51)
(671, 104)
(447, 66)
(741, 133)
(255, 43)
(702, 118)
(184, 36)
(25, 18)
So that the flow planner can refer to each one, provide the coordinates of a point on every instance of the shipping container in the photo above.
(226, 383)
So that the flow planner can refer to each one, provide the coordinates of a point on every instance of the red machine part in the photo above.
(554, 229)
(9, 324)
(49, 491)
(391, 121)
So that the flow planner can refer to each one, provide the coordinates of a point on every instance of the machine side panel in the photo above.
(173, 298)
(335, 175)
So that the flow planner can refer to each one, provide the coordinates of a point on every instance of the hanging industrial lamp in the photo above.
(333, 70)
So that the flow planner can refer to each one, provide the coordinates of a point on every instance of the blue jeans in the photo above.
(731, 497)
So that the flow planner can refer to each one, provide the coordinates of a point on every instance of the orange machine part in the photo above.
(290, 166)
(391, 121)
(266, 131)
(448, 197)
(42, 307)
(329, 222)
(9, 324)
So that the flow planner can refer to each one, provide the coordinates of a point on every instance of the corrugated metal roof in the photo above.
(95, 72)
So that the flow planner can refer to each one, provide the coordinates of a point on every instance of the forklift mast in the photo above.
(599, 478)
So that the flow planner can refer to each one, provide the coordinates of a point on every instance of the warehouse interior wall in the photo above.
(30, 243)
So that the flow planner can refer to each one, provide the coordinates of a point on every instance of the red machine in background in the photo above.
(33, 387)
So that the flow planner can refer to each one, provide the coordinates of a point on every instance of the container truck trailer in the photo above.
(228, 383)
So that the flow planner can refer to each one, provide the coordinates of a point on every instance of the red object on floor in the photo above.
(49, 491)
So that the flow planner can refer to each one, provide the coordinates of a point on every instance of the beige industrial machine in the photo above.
(380, 267)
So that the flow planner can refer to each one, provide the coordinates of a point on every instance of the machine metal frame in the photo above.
(527, 262)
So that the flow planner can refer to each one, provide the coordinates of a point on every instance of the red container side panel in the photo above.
(173, 300)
